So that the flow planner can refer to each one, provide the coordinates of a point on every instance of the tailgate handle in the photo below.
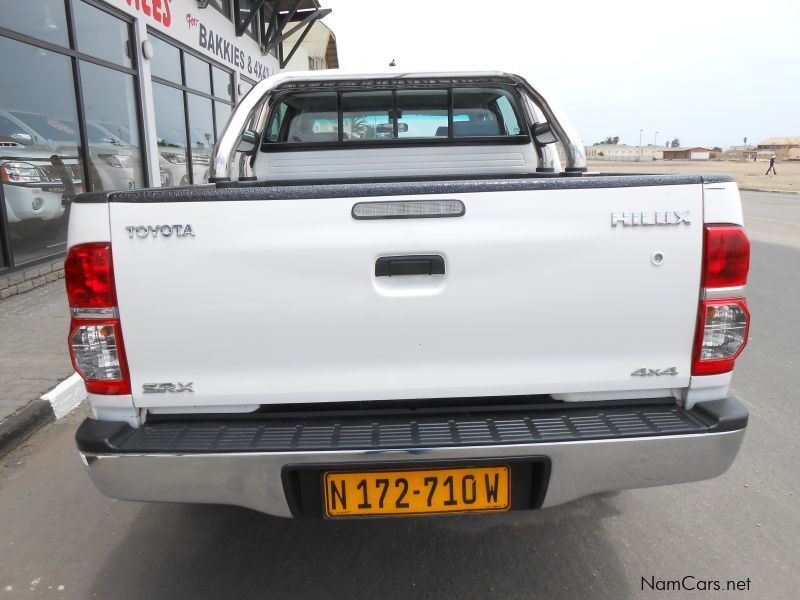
(418, 264)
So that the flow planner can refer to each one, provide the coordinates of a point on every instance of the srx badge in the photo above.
(163, 388)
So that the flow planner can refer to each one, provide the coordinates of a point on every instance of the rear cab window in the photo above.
(394, 116)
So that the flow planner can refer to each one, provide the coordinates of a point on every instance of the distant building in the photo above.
(740, 153)
(623, 152)
(780, 146)
(697, 153)
(313, 50)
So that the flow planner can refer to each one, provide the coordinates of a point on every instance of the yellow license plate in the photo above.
(417, 491)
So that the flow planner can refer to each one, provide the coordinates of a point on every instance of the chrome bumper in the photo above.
(577, 468)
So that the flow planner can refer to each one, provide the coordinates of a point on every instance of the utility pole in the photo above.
(641, 131)
(655, 139)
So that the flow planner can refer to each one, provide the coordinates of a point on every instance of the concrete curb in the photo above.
(55, 404)
(21, 425)
(66, 395)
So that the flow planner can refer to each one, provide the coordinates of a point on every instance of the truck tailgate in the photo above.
(277, 301)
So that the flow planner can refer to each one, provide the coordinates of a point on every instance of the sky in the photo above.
(707, 72)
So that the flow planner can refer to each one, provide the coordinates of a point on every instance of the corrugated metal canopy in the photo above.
(287, 5)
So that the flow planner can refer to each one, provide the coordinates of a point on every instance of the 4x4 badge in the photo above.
(643, 372)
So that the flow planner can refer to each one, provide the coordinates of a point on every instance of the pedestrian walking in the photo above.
(771, 166)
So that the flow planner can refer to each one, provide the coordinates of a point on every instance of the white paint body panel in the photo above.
(277, 302)
(88, 223)
(722, 203)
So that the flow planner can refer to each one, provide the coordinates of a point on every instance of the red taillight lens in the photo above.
(727, 256)
(721, 335)
(90, 276)
(95, 336)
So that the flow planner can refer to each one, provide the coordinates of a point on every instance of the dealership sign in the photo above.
(226, 50)
(158, 10)
(205, 30)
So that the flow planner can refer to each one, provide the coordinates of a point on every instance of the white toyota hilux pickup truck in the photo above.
(392, 299)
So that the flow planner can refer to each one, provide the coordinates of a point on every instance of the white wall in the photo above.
(205, 30)
(315, 45)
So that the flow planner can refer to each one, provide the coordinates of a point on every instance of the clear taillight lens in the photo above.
(96, 353)
(98, 356)
(721, 335)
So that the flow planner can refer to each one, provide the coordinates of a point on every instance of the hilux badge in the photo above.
(651, 218)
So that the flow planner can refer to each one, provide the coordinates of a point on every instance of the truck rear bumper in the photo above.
(244, 462)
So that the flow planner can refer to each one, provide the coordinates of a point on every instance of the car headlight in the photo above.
(120, 161)
(20, 172)
(177, 158)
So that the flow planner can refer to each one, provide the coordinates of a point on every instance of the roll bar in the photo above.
(253, 108)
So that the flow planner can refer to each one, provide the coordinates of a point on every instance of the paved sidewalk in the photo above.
(33, 346)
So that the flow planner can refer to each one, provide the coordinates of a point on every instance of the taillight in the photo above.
(95, 336)
(723, 319)
(721, 335)
(727, 256)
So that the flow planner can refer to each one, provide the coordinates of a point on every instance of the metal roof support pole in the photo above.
(312, 16)
(290, 15)
(280, 25)
(241, 26)
(285, 61)
(273, 30)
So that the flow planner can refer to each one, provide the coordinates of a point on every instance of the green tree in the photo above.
(362, 128)
(675, 143)
(611, 140)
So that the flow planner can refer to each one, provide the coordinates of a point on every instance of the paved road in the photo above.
(56, 530)
(772, 218)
